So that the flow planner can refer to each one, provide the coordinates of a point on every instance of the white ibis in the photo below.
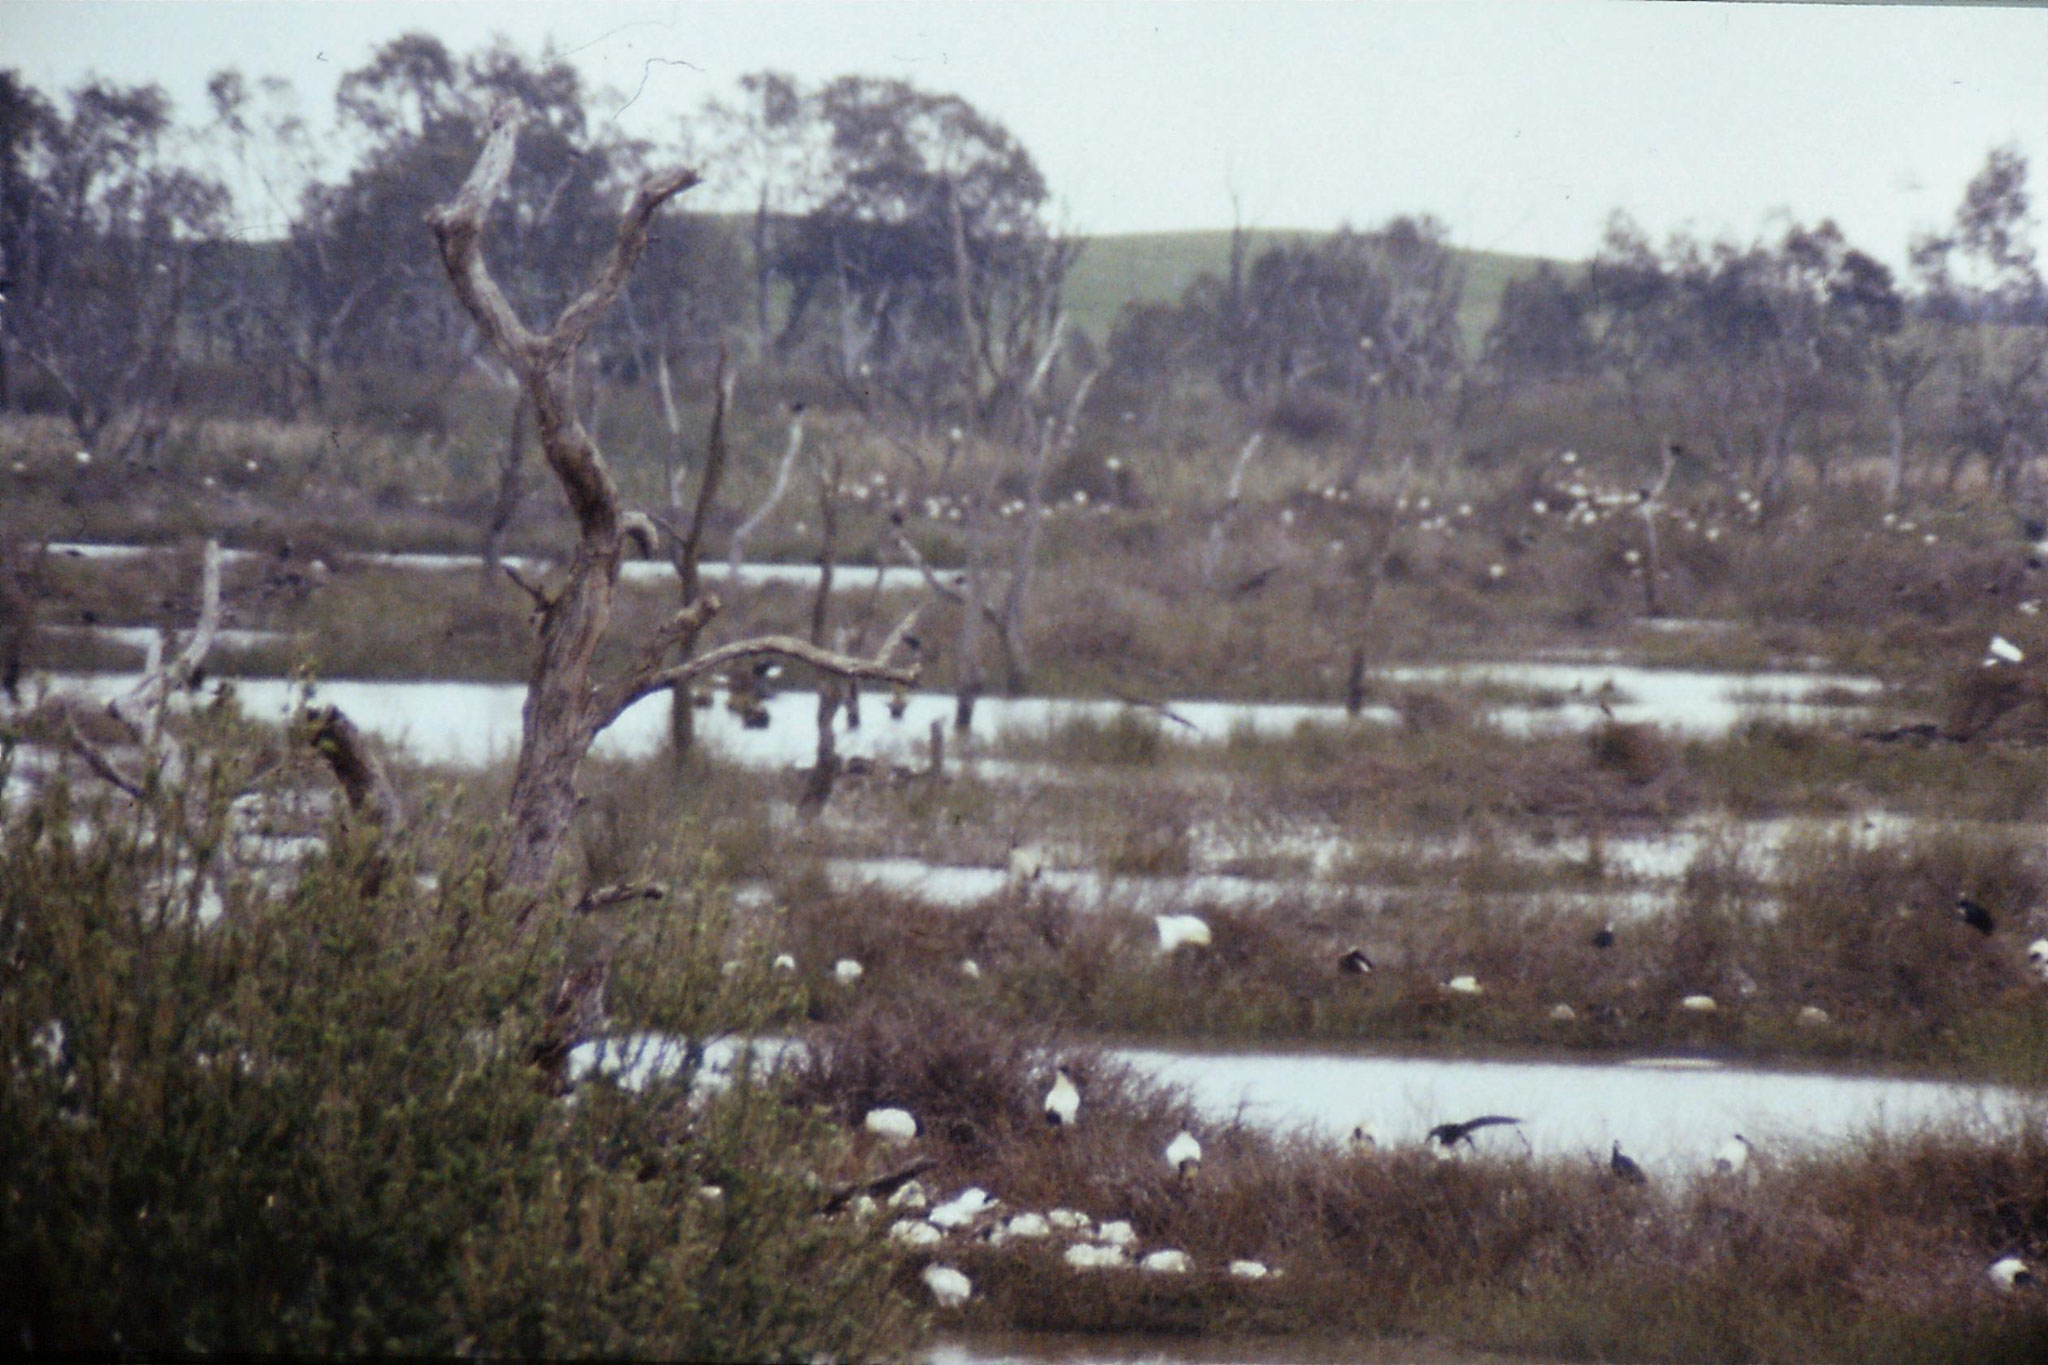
(1975, 915)
(1562, 1013)
(846, 971)
(948, 1286)
(1624, 1168)
(1167, 1263)
(1249, 1270)
(1117, 1234)
(1177, 931)
(2002, 651)
(1732, 1156)
(784, 963)
(1063, 1101)
(1027, 865)
(1089, 1256)
(1355, 962)
(1067, 1220)
(1184, 1154)
(970, 969)
(910, 1195)
(2037, 957)
(1449, 1135)
(1699, 1004)
(1813, 1016)
(2010, 1273)
(963, 1208)
(915, 1232)
(1464, 984)
(896, 1125)
(1032, 1225)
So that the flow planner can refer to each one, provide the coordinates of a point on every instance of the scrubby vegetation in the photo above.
(308, 1126)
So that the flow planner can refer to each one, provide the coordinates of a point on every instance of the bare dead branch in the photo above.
(1212, 553)
(900, 636)
(364, 783)
(736, 550)
(1150, 704)
(770, 646)
(542, 599)
(101, 762)
(952, 592)
(600, 898)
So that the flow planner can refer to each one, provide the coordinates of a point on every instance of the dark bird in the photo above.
(1603, 937)
(1448, 1135)
(1355, 962)
(1625, 1170)
(1974, 915)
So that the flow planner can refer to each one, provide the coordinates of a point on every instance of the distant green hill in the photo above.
(1155, 267)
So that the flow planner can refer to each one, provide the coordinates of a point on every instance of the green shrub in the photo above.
(306, 1126)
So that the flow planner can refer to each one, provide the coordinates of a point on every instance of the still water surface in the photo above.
(1670, 1114)
(472, 723)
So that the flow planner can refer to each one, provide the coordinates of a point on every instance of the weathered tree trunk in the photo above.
(566, 706)
(1219, 528)
(511, 490)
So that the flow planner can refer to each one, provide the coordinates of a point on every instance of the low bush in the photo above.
(306, 1126)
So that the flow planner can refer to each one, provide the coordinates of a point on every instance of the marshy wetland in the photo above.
(592, 764)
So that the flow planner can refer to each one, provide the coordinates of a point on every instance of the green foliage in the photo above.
(307, 1126)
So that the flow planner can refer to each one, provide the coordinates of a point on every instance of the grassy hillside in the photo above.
(1157, 266)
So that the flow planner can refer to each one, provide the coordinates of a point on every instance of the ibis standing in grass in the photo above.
(2010, 1272)
(1063, 1101)
(1624, 1168)
(1184, 1154)
(1732, 1157)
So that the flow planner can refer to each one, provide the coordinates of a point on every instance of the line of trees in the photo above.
(890, 251)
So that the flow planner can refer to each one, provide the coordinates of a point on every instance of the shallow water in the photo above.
(472, 723)
(1671, 1115)
(1670, 1118)
(1059, 1348)
(895, 578)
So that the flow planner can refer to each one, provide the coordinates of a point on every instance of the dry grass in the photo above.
(1874, 1253)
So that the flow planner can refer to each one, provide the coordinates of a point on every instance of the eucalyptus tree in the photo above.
(1984, 290)
(100, 221)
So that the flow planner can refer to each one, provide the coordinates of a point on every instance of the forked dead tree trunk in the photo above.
(567, 706)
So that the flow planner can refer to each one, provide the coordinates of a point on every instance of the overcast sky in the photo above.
(1521, 124)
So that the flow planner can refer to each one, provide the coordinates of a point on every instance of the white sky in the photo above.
(1521, 124)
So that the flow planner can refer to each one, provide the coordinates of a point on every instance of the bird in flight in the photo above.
(1448, 1135)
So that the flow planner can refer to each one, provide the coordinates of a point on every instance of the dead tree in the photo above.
(686, 544)
(1650, 504)
(567, 705)
(1226, 516)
